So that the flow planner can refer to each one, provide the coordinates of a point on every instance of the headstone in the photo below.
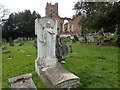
(76, 38)
(84, 39)
(46, 38)
(23, 81)
(9, 57)
(35, 43)
(58, 48)
(16, 41)
(92, 39)
(31, 38)
(7, 51)
(11, 43)
(28, 38)
(4, 48)
(25, 39)
(73, 40)
(46, 65)
(71, 51)
(64, 48)
(20, 44)
(28, 55)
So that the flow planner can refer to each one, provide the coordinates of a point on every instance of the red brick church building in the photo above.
(66, 26)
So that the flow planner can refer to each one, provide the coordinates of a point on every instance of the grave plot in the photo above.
(23, 81)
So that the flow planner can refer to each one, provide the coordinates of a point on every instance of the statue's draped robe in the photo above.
(50, 43)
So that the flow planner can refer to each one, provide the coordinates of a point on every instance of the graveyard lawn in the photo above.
(85, 62)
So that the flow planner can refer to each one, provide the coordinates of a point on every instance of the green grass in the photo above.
(85, 63)
(20, 64)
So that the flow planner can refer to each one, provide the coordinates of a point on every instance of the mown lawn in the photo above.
(85, 63)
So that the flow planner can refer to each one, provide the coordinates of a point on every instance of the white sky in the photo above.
(64, 6)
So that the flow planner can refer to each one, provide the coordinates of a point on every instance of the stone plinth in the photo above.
(57, 77)
(23, 81)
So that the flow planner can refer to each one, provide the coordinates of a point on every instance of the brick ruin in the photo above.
(66, 26)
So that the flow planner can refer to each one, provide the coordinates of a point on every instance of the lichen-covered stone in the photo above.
(57, 77)
(23, 81)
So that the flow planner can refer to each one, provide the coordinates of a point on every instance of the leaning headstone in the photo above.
(47, 67)
(23, 81)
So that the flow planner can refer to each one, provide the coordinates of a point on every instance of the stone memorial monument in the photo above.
(46, 65)
(22, 82)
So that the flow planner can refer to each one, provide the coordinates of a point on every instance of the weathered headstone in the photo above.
(11, 43)
(46, 65)
(9, 57)
(73, 40)
(84, 39)
(76, 38)
(92, 39)
(35, 43)
(58, 49)
(6, 51)
(71, 51)
(64, 48)
(16, 41)
(4, 48)
(28, 38)
(23, 81)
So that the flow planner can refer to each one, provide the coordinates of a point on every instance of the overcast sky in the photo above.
(64, 6)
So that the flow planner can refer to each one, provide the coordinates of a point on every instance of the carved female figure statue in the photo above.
(46, 30)
(50, 38)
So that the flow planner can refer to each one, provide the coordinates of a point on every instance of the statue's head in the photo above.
(48, 24)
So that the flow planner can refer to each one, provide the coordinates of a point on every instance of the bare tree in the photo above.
(3, 12)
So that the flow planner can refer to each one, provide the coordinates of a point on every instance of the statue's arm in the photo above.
(51, 31)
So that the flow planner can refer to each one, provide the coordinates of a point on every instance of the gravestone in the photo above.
(23, 81)
(76, 38)
(9, 57)
(16, 41)
(4, 48)
(64, 48)
(11, 43)
(35, 43)
(92, 39)
(6, 51)
(47, 67)
(84, 39)
(73, 40)
(21, 42)
(28, 38)
(58, 48)
(71, 51)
